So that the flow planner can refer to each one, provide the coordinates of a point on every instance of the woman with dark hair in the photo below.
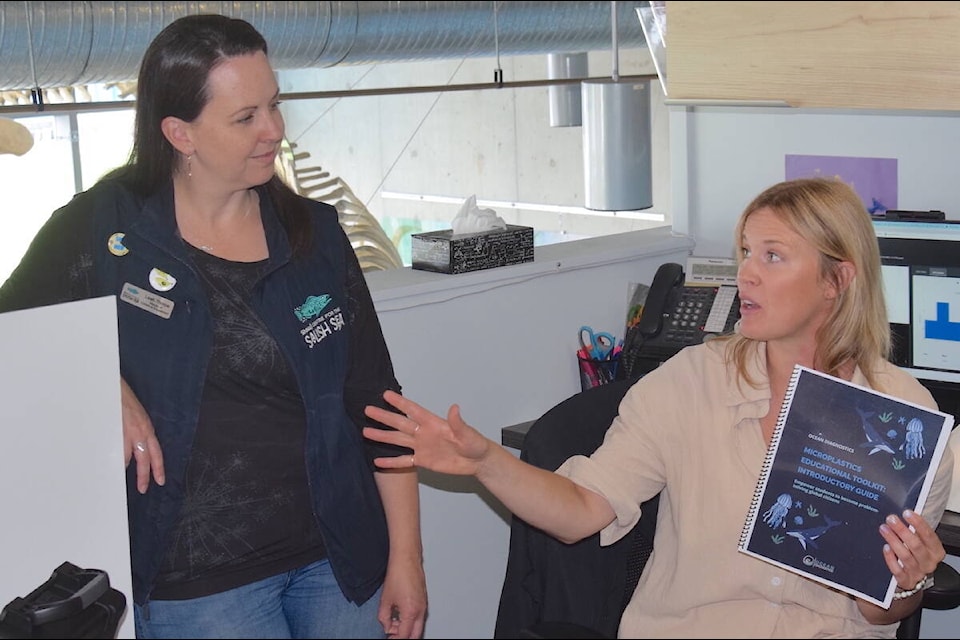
(695, 431)
(249, 346)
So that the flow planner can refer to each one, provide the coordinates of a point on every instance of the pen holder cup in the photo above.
(594, 373)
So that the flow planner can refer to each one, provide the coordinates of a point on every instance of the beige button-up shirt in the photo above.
(687, 429)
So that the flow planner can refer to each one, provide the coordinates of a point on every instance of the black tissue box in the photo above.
(445, 252)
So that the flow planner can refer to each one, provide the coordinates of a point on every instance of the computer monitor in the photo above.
(921, 281)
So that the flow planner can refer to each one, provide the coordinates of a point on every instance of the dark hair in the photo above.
(173, 81)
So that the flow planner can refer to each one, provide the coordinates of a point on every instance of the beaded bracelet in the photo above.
(923, 585)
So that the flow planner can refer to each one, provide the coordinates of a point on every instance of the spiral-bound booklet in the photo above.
(842, 458)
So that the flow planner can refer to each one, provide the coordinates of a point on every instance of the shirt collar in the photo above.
(159, 223)
(754, 402)
(746, 400)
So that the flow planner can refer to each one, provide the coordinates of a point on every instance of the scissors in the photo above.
(598, 344)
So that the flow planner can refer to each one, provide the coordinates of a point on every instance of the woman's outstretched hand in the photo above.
(446, 446)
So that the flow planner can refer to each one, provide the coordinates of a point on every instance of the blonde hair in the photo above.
(830, 215)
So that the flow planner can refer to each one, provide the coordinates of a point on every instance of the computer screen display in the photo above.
(921, 281)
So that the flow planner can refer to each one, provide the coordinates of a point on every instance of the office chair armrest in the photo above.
(943, 595)
(945, 592)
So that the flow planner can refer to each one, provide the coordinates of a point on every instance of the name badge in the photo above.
(147, 300)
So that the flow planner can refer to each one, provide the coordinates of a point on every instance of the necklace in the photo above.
(243, 216)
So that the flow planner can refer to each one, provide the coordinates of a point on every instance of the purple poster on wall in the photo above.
(874, 179)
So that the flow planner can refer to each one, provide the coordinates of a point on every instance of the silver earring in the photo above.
(189, 169)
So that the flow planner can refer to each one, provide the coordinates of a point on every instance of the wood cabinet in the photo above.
(863, 55)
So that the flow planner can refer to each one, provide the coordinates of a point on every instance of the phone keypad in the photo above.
(719, 316)
(689, 316)
(692, 316)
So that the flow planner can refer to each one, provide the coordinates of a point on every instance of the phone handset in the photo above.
(669, 276)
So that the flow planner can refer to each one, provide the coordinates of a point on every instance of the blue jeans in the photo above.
(303, 603)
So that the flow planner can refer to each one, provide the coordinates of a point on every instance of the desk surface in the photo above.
(513, 435)
(949, 529)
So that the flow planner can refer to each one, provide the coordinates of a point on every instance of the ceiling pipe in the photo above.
(77, 43)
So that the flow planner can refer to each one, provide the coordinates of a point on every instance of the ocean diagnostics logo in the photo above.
(312, 307)
(811, 561)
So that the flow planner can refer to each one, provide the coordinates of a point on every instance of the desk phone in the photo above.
(678, 313)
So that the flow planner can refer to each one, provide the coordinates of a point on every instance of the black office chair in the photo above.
(556, 590)
(943, 595)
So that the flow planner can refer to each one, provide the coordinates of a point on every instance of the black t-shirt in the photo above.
(247, 512)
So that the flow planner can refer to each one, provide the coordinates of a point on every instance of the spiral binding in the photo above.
(768, 460)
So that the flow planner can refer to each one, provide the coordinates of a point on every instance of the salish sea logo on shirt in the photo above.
(319, 329)
(115, 244)
(318, 326)
(312, 307)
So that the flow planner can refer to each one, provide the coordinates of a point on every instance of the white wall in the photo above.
(733, 153)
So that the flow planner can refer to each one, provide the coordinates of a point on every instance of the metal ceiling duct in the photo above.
(617, 162)
(58, 44)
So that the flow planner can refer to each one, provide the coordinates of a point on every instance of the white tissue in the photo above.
(472, 219)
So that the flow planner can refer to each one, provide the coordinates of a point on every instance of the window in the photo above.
(69, 153)
(411, 159)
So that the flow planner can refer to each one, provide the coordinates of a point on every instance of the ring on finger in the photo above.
(416, 428)
(413, 462)
(140, 446)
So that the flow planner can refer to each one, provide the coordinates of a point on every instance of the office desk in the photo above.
(949, 529)
(513, 435)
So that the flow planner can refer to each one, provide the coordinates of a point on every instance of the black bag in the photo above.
(73, 603)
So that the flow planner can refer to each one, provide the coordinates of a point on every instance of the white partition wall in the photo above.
(62, 490)
(721, 157)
